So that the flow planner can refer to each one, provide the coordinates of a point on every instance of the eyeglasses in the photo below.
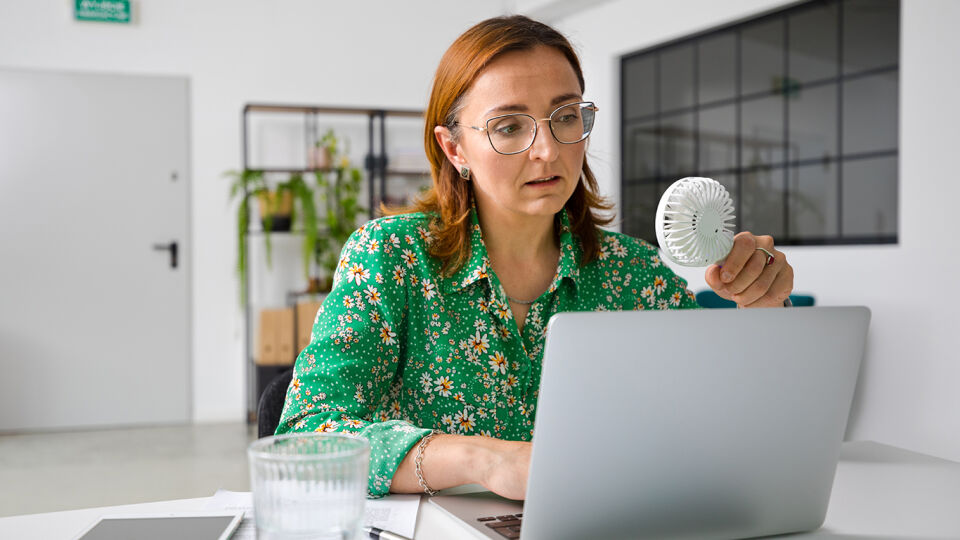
(515, 133)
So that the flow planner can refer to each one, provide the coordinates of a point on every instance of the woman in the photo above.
(431, 341)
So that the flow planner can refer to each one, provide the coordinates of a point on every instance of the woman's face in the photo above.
(534, 82)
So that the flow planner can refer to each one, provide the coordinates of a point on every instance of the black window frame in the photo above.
(786, 166)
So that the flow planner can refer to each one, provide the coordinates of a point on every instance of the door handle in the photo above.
(172, 248)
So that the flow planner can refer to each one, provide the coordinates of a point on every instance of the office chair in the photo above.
(270, 405)
(709, 299)
(801, 300)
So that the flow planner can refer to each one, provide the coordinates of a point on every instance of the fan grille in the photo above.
(695, 222)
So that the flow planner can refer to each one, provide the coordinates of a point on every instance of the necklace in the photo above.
(523, 302)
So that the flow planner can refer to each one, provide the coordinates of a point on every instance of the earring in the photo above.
(465, 173)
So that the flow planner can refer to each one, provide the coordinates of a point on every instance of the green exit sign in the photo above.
(115, 11)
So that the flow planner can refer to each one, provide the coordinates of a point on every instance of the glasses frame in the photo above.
(536, 126)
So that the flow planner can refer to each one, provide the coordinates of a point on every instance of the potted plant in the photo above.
(277, 213)
(245, 184)
(340, 192)
(276, 208)
(293, 200)
(324, 151)
(303, 194)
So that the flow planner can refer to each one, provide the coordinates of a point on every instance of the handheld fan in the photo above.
(695, 222)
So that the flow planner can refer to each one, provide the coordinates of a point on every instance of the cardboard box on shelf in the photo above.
(266, 340)
(286, 354)
(306, 314)
(275, 345)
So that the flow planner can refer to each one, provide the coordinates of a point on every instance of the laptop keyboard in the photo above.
(507, 526)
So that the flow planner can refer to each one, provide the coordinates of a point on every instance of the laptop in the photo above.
(683, 424)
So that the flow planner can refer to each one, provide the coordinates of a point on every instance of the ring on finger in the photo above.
(770, 256)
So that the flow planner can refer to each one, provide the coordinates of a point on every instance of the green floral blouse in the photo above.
(398, 350)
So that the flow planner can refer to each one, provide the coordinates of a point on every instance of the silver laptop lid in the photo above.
(712, 423)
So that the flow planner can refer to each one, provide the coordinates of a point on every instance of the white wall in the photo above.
(907, 395)
(357, 53)
(383, 53)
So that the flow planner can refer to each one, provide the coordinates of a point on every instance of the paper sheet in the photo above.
(394, 513)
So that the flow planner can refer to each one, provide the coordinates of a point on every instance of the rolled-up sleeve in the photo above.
(346, 378)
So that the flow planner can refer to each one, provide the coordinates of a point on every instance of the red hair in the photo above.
(450, 196)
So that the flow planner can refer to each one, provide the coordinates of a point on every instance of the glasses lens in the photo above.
(572, 123)
(511, 133)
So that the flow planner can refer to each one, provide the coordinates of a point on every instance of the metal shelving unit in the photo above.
(378, 173)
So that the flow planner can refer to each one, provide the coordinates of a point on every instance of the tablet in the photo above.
(181, 526)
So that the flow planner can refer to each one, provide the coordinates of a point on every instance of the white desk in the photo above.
(879, 492)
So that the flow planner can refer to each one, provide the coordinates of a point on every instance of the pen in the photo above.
(380, 534)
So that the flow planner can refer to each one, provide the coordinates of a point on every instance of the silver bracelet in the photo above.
(419, 463)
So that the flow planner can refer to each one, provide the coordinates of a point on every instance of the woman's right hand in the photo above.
(505, 468)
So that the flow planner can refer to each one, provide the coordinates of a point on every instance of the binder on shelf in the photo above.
(275, 338)
(285, 353)
(306, 314)
(266, 339)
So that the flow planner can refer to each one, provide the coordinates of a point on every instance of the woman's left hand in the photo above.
(746, 277)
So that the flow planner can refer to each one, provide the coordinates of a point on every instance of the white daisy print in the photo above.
(398, 274)
(409, 257)
(443, 386)
(464, 421)
(373, 295)
(429, 289)
(387, 334)
(498, 362)
(659, 284)
(357, 273)
(478, 343)
(327, 426)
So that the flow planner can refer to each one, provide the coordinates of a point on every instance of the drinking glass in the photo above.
(309, 485)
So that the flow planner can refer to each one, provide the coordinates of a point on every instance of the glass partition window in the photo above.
(795, 112)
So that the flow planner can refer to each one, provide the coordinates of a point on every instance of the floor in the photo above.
(45, 472)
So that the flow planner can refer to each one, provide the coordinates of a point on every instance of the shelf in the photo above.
(388, 172)
(304, 293)
(294, 296)
(292, 170)
(408, 173)
(266, 107)
(261, 232)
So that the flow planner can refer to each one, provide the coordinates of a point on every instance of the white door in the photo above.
(94, 322)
